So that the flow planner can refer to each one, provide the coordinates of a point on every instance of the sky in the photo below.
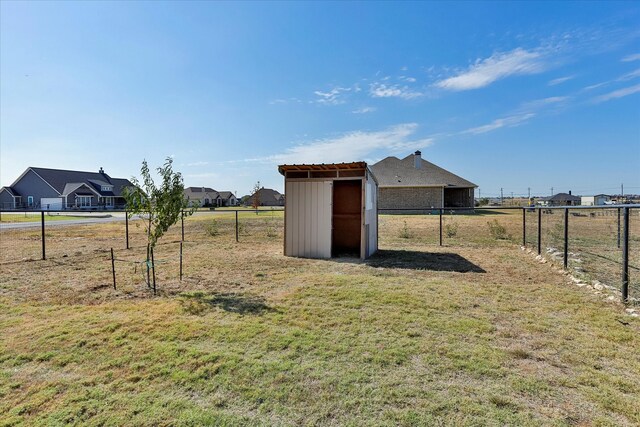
(519, 96)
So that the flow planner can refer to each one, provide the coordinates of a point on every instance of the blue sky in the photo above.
(507, 95)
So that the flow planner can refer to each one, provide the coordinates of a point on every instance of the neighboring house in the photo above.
(56, 189)
(597, 200)
(204, 196)
(413, 184)
(266, 197)
(560, 199)
(227, 198)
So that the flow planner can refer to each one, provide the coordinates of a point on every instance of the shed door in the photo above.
(347, 217)
(308, 219)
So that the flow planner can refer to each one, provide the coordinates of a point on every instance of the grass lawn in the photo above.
(36, 217)
(465, 334)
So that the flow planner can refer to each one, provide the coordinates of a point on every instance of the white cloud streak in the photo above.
(498, 66)
(381, 90)
(617, 94)
(352, 146)
(510, 121)
(333, 97)
(364, 110)
(630, 58)
(560, 80)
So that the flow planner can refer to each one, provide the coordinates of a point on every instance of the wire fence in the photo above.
(602, 244)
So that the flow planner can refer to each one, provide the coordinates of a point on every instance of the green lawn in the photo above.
(418, 335)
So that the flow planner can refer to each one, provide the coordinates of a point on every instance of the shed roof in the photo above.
(322, 167)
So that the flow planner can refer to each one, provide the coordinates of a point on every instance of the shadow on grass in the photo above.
(415, 260)
(200, 302)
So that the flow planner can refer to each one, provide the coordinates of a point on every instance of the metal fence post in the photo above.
(237, 226)
(44, 253)
(618, 227)
(524, 227)
(625, 256)
(182, 220)
(113, 269)
(126, 227)
(539, 231)
(440, 226)
(181, 261)
(566, 237)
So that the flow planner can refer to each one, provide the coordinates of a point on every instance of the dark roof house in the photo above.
(266, 197)
(43, 188)
(414, 184)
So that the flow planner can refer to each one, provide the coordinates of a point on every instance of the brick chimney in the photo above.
(417, 159)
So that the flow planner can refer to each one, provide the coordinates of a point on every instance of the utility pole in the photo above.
(528, 193)
(622, 191)
(501, 197)
(551, 191)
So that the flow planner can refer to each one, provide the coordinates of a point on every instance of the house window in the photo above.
(30, 201)
(108, 201)
(83, 201)
(107, 188)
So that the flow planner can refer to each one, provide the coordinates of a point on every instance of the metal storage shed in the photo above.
(330, 210)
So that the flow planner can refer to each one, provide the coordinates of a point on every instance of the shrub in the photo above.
(213, 228)
(497, 230)
(405, 233)
(451, 229)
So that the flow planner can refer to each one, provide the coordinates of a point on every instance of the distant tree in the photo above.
(255, 200)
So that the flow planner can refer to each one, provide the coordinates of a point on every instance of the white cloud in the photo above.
(630, 58)
(285, 101)
(352, 146)
(629, 76)
(617, 94)
(560, 80)
(408, 79)
(544, 102)
(498, 66)
(333, 97)
(201, 163)
(509, 121)
(364, 110)
(380, 90)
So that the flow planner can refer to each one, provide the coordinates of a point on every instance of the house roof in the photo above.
(59, 178)
(9, 190)
(268, 194)
(394, 172)
(200, 190)
(74, 186)
(225, 194)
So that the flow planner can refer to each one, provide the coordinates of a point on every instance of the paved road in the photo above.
(89, 218)
(78, 221)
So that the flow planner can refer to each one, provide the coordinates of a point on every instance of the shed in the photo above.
(330, 210)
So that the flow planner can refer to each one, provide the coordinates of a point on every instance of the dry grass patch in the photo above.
(470, 335)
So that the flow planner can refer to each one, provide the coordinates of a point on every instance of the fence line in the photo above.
(557, 232)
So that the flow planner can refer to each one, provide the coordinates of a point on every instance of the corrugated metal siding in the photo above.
(308, 219)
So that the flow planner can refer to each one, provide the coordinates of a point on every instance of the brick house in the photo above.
(414, 185)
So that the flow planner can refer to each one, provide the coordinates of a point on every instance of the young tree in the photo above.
(255, 201)
(160, 206)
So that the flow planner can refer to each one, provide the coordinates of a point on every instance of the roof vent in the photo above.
(417, 159)
(101, 170)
